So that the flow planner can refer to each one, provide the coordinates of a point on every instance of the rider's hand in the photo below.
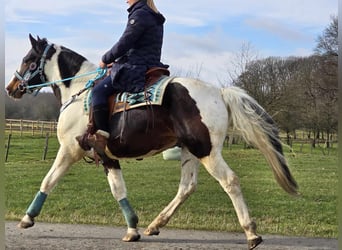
(102, 65)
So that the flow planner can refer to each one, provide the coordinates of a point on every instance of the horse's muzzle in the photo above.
(16, 90)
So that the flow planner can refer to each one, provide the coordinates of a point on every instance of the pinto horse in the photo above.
(193, 115)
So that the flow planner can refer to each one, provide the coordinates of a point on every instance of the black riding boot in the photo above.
(101, 120)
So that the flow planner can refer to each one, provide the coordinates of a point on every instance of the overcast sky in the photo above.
(201, 36)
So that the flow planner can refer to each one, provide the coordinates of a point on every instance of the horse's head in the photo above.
(31, 71)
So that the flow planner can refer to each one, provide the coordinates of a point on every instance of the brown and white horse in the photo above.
(193, 115)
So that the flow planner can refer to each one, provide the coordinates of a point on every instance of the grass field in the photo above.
(83, 195)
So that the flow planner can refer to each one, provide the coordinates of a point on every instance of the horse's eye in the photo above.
(26, 63)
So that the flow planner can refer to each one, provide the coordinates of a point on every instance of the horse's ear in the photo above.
(39, 44)
(33, 41)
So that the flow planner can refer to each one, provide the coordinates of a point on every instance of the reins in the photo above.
(100, 73)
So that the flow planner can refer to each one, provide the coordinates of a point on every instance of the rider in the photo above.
(138, 50)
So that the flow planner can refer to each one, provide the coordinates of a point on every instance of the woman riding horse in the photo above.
(138, 50)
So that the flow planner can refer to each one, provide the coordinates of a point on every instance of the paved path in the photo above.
(83, 237)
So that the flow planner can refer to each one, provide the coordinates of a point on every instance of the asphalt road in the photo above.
(65, 236)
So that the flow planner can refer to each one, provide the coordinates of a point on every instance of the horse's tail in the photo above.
(257, 127)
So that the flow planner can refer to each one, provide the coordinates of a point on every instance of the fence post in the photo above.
(42, 128)
(21, 128)
(46, 145)
(32, 127)
(10, 126)
(8, 146)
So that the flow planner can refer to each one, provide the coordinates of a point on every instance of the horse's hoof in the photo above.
(26, 222)
(129, 237)
(254, 243)
(150, 232)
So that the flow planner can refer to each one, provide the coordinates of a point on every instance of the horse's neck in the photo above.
(76, 84)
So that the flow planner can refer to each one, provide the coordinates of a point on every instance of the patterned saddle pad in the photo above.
(152, 95)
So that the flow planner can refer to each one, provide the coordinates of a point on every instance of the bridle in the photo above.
(31, 72)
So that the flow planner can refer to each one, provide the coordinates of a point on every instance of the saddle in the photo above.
(154, 74)
(116, 104)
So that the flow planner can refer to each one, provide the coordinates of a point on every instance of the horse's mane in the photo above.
(42, 41)
(73, 60)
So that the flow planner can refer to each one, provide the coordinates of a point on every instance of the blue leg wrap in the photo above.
(36, 204)
(130, 216)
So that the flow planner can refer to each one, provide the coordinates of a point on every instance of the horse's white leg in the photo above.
(218, 168)
(118, 188)
(187, 185)
(66, 156)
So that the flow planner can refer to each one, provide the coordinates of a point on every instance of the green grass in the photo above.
(83, 195)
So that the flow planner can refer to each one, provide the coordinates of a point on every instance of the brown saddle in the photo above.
(153, 74)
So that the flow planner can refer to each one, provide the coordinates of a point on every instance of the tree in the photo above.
(327, 49)
(326, 78)
(327, 43)
(266, 80)
(240, 62)
(273, 83)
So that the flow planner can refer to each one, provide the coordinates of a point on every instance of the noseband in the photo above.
(30, 73)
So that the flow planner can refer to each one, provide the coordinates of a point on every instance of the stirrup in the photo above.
(83, 141)
(98, 141)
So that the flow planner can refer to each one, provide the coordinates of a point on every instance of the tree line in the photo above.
(43, 107)
(298, 92)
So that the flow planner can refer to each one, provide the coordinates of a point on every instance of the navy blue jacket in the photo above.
(138, 49)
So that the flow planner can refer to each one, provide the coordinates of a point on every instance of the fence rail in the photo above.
(29, 126)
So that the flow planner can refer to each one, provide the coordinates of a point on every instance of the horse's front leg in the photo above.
(66, 156)
(118, 188)
(187, 185)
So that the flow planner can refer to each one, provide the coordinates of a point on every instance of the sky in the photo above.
(201, 38)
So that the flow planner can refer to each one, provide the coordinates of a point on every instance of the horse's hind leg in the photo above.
(118, 188)
(187, 185)
(218, 168)
(63, 161)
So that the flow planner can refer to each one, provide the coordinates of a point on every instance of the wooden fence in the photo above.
(32, 127)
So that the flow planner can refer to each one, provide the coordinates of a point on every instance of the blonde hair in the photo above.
(151, 4)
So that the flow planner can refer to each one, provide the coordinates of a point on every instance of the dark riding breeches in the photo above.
(102, 91)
